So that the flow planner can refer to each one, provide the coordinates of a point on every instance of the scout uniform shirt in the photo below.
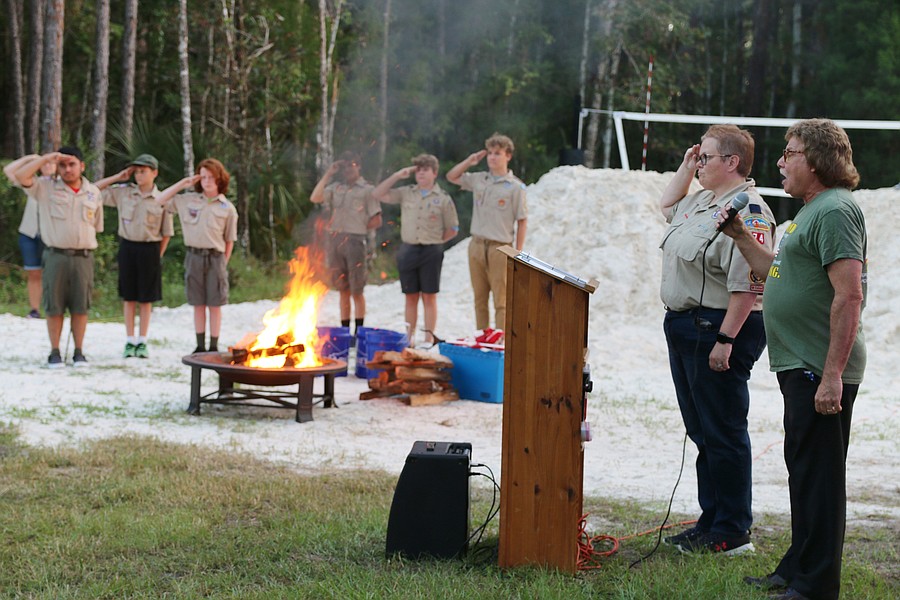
(29, 225)
(497, 203)
(207, 223)
(351, 207)
(69, 220)
(424, 214)
(141, 218)
(692, 224)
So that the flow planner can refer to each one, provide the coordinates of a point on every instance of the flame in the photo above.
(293, 321)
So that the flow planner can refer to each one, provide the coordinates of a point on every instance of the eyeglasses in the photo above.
(787, 153)
(704, 158)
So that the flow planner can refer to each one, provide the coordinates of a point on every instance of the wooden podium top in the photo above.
(528, 259)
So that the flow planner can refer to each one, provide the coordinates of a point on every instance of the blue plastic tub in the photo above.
(477, 374)
(371, 342)
(336, 344)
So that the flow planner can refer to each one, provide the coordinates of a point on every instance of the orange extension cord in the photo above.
(588, 555)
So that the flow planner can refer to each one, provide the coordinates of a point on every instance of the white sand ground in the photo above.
(601, 224)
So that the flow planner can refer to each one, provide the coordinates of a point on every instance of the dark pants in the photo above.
(815, 451)
(714, 407)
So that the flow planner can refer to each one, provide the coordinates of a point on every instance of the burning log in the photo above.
(293, 353)
(419, 377)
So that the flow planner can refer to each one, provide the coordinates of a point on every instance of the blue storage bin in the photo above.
(477, 374)
(370, 340)
(336, 345)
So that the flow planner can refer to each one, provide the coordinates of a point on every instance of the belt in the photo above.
(484, 240)
(70, 251)
(204, 251)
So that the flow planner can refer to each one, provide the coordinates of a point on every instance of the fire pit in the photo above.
(232, 374)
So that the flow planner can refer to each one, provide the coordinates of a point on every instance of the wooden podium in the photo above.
(543, 408)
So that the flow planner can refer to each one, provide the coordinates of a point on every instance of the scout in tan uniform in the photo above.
(714, 329)
(209, 225)
(145, 228)
(427, 220)
(30, 243)
(353, 212)
(499, 217)
(70, 212)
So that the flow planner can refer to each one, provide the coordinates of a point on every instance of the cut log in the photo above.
(433, 398)
(371, 394)
(424, 387)
(421, 374)
(411, 354)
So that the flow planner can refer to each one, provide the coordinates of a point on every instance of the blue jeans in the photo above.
(714, 407)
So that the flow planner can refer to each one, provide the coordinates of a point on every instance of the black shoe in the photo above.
(55, 361)
(769, 582)
(788, 594)
(198, 350)
(685, 536)
(717, 543)
(78, 360)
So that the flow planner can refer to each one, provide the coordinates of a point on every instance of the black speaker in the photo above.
(430, 511)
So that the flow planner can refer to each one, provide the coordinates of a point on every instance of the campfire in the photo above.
(290, 338)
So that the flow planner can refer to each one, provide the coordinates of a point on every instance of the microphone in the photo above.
(737, 205)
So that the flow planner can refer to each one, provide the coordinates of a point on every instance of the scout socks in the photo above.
(201, 343)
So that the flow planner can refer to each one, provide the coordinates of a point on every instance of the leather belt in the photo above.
(204, 251)
(70, 251)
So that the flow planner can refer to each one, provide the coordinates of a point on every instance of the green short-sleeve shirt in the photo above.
(798, 297)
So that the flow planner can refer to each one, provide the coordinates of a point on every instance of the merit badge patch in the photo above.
(759, 227)
(501, 202)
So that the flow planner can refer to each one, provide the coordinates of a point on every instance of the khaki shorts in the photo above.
(67, 282)
(347, 262)
(205, 278)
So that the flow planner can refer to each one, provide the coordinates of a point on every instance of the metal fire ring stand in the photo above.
(230, 375)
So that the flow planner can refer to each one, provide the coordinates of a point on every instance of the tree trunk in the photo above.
(101, 91)
(593, 126)
(383, 114)
(129, 45)
(14, 16)
(228, 29)
(51, 82)
(240, 74)
(328, 83)
(796, 49)
(585, 45)
(765, 24)
(610, 103)
(35, 67)
(187, 139)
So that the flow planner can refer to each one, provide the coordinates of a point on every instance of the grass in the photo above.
(138, 518)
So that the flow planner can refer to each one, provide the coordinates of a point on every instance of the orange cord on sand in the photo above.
(589, 557)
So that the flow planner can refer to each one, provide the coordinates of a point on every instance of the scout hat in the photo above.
(145, 160)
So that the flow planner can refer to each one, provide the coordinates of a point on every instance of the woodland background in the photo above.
(277, 88)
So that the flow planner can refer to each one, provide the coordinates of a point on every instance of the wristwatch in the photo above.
(724, 339)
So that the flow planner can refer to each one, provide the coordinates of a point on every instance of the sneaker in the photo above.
(769, 582)
(130, 350)
(34, 314)
(685, 536)
(717, 543)
(141, 350)
(78, 360)
(55, 361)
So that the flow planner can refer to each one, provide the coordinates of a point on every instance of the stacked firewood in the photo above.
(418, 377)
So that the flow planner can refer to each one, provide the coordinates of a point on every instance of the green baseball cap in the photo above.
(145, 160)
